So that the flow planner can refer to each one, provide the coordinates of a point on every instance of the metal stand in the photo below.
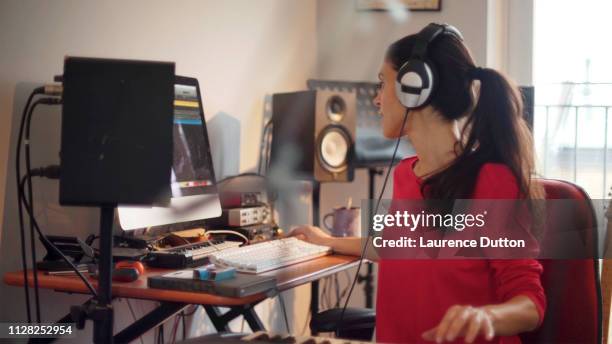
(166, 310)
(314, 290)
(103, 318)
(368, 279)
(220, 321)
(100, 310)
(66, 319)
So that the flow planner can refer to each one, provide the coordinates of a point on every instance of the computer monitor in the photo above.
(194, 191)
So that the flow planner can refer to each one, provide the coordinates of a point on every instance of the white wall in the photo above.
(352, 43)
(239, 50)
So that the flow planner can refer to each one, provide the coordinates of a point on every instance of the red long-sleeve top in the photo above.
(413, 295)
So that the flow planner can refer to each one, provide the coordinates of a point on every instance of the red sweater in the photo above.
(414, 295)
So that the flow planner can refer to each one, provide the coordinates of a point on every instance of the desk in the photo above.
(172, 301)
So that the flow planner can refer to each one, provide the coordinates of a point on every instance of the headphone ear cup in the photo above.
(414, 83)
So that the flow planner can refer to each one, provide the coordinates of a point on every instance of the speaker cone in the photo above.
(333, 149)
(336, 108)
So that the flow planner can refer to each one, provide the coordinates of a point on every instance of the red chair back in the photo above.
(572, 287)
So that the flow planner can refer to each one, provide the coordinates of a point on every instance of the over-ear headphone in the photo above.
(417, 78)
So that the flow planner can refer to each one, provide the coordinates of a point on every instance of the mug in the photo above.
(346, 222)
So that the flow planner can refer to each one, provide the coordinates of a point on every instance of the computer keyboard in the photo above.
(268, 255)
(190, 255)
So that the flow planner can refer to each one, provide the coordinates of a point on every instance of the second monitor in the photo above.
(193, 185)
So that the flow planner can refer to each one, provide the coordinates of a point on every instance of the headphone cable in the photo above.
(365, 246)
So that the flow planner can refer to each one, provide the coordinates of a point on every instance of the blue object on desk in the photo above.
(212, 273)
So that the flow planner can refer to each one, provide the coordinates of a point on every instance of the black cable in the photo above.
(330, 291)
(29, 180)
(43, 238)
(269, 150)
(31, 212)
(282, 304)
(133, 317)
(263, 145)
(33, 251)
(323, 298)
(322, 292)
(245, 174)
(195, 309)
(346, 289)
(308, 318)
(272, 194)
(337, 287)
(161, 334)
(24, 264)
(265, 154)
(365, 246)
(183, 322)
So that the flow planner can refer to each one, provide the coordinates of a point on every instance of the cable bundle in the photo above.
(25, 194)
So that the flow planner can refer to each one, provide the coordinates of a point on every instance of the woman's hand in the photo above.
(312, 234)
(349, 246)
(462, 321)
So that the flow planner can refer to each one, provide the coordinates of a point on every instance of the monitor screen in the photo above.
(192, 172)
(194, 193)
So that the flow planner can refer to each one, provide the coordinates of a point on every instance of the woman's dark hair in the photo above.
(495, 130)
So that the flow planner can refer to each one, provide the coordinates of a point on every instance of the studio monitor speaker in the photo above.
(313, 134)
(116, 145)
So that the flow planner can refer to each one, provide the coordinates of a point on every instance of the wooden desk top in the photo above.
(287, 278)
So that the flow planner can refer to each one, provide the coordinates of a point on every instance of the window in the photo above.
(573, 80)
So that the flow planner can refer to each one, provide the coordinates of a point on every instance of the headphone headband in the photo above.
(428, 34)
(416, 78)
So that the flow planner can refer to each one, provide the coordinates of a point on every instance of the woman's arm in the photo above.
(512, 317)
(349, 246)
(518, 283)
(515, 316)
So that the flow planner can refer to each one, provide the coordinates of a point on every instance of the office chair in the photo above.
(572, 287)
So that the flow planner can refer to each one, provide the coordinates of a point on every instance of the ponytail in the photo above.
(495, 131)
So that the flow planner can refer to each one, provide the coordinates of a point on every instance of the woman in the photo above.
(470, 142)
